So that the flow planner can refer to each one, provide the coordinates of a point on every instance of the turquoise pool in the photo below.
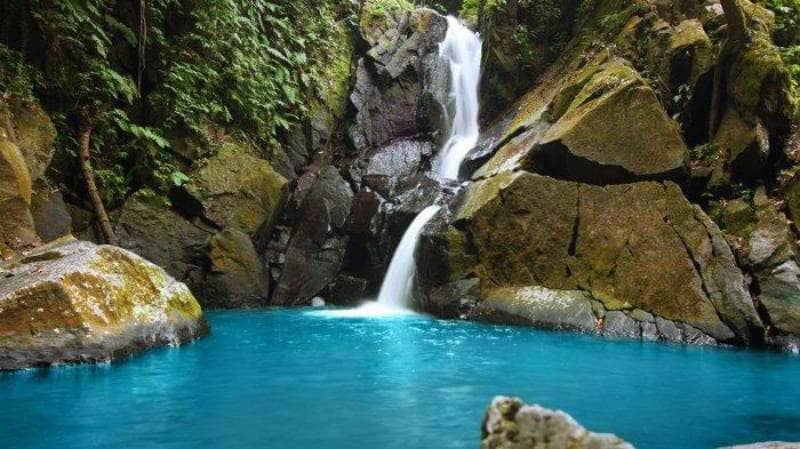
(290, 379)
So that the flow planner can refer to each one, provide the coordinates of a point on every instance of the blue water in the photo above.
(291, 380)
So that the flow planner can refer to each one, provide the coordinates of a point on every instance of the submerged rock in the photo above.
(74, 301)
(511, 424)
(769, 445)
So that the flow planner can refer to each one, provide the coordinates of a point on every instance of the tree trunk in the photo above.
(91, 187)
(738, 37)
(737, 23)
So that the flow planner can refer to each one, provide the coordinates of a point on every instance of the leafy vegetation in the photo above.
(787, 37)
(246, 67)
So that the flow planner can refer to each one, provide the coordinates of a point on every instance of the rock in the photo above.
(614, 131)
(316, 250)
(394, 94)
(553, 309)
(742, 150)
(511, 424)
(668, 330)
(73, 301)
(33, 133)
(770, 445)
(612, 242)
(600, 125)
(16, 223)
(618, 324)
(148, 226)
(689, 54)
(234, 188)
(346, 290)
(766, 247)
(393, 163)
(50, 214)
(236, 276)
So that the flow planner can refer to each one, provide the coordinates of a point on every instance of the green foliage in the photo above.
(383, 8)
(787, 37)
(249, 67)
(703, 152)
(16, 77)
(787, 21)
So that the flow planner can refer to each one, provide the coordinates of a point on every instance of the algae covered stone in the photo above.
(73, 301)
(629, 246)
(511, 424)
(236, 188)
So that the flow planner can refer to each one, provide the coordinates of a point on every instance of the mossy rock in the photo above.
(74, 301)
(609, 128)
(34, 134)
(612, 242)
(16, 224)
(148, 226)
(237, 277)
(234, 188)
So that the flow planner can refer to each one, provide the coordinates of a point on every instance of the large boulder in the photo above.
(511, 424)
(608, 127)
(73, 301)
(527, 230)
(234, 188)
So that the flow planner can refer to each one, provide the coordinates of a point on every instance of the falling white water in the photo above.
(461, 48)
(399, 280)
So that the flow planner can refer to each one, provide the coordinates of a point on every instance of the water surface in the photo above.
(290, 379)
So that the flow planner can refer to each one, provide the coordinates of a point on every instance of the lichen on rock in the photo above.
(73, 301)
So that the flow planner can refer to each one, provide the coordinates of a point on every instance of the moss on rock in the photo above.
(74, 301)
(235, 188)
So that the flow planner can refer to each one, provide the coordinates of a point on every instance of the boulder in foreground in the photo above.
(74, 301)
(511, 424)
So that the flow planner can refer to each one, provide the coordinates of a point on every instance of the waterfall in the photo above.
(461, 48)
(399, 280)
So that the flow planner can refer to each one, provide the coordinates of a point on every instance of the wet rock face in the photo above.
(343, 221)
(316, 250)
(511, 424)
(73, 301)
(399, 80)
(613, 243)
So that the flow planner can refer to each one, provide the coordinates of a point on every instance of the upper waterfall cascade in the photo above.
(461, 48)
